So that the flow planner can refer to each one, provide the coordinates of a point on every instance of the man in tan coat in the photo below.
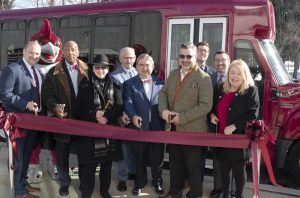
(61, 86)
(184, 102)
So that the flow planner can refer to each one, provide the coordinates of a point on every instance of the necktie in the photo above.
(73, 67)
(220, 80)
(37, 86)
(149, 80)
(130, 74)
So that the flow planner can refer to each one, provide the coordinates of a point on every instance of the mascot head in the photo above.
(50, 43)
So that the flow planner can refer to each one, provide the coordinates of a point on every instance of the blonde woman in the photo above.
(236, 101)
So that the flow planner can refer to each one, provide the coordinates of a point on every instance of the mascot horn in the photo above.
(51, 46)
(51, 54)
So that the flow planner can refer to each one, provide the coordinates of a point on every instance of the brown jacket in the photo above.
(193, 103)
(57, 91)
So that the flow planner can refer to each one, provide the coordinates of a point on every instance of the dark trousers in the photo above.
(184, 162)
(238, 168)
(217, 170)
(87, 179)
(62, 157)
(152, 153)
(21, 162)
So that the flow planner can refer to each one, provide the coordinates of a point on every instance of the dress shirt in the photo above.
(147, 83)
(74, 75)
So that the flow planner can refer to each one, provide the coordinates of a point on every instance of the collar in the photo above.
(27, 64)
(147, 80)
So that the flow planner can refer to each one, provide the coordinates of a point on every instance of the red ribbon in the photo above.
(7, 121)
(256, 130)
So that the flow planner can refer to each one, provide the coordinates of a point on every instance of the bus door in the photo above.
(210, 29)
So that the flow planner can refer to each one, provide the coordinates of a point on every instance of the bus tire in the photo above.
(294, 162)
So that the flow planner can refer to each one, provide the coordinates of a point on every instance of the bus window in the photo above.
(276, 63)
(78, 29)
(244, 50)
(179, 31)
(147, 31)
(213, 31)
(112, 33)
(210, 29)
(12, 41)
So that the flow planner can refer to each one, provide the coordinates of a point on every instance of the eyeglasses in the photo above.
(181, 56)
(98, 67)
(203, 50)
(220, 60)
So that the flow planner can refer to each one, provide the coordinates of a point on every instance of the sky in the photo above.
(19, 4)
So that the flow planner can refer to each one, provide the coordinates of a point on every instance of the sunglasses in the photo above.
(181, 56)
(98, 67)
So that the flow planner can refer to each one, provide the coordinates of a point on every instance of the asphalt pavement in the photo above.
(49, 187)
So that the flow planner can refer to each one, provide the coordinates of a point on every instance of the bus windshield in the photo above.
(277, 65)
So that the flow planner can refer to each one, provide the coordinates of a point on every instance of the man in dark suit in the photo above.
(20, 90)
(203, 51)
(126, 168)
(141, 105)
(61, 87)
(221, 63)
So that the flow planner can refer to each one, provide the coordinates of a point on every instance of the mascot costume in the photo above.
(51, 54)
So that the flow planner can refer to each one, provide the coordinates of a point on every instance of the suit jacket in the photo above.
(17, 87)
(59, 90)
(243, 108)
(137, 103)
(214, 78)
(120, 75)
(209, 70)
(193, 103)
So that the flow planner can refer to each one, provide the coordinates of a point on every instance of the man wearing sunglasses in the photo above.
(184, 102)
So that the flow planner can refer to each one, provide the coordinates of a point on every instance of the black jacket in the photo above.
(243, 108)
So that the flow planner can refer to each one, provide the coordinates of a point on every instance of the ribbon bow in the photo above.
(257, 130)
(74, 67)
(6, 123)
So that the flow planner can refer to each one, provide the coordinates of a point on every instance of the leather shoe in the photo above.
(137, 191)
(158, 189)
(178, 195)
(122, 187)
(27, 196)
(63, 190)
(32, 189)
(106, 195)
(215, 193)
(131, 176)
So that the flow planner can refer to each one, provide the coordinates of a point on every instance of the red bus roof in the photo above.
(182, 6)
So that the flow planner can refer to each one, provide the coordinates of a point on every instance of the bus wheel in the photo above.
(294, 162)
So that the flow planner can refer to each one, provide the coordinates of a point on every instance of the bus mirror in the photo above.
(275, 94)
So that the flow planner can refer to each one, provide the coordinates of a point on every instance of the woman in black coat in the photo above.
(98, 100)
(236, 102)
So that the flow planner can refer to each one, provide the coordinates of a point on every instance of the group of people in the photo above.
(194, 98)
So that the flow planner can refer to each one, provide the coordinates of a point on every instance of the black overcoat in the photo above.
(86, 110)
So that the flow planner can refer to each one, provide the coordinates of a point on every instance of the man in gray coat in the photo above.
(184, 102)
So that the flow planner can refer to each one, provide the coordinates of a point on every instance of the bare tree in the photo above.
(6, 4)
(287, 14)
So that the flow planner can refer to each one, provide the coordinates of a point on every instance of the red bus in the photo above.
(244, 28)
